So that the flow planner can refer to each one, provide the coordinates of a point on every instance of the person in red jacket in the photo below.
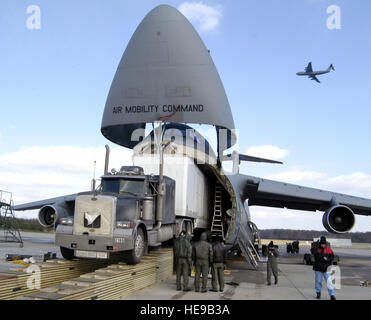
(323, 257)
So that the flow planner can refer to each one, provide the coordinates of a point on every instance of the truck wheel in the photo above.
(134, 256)
(67, 254)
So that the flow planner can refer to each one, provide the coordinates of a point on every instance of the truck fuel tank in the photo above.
(147, 210)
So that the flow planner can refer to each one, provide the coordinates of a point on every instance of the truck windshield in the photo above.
(123, 186)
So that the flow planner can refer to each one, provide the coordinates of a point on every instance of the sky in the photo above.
(56, 71)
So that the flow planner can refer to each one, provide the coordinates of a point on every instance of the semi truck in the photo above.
(136, 207)
(121, 216)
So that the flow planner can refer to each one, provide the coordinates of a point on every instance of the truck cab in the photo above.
(119, 216)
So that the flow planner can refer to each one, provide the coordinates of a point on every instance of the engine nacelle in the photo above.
(338, 219)
(49, 215)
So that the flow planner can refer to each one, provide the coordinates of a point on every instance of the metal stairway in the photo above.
(217, 223)
(8, 222)
(247, 248)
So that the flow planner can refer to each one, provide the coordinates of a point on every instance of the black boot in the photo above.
(268, 283)
(332, 298)
(275, 280)
(318, 295)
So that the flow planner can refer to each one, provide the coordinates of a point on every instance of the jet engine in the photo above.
(49, 215)
(338, 219)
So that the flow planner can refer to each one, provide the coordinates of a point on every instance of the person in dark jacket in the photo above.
(218, 265)
(272, 263)
(203, 256)
(176, 250)
(323, 257)
(183, 256)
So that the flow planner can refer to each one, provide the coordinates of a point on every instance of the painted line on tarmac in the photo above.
(293, 284)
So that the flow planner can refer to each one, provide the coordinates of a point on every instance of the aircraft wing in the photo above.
(314, 78)
(269, 193)
(244, 157)
(309, 67)
(41, 203)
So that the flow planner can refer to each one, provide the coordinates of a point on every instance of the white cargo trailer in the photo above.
(191, 189)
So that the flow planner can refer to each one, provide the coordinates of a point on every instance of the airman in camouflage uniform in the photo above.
(183, 258)
(272, 263)
(203, 256)
(218, 265)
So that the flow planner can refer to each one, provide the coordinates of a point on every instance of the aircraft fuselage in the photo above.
(312, 73)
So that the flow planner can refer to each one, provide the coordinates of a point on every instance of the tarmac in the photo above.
(295, 280)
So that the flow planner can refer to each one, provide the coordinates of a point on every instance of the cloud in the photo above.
(62, 159)
(206, 18)
(272, 218)
(36, 173)
(268, 151)
(357, 182)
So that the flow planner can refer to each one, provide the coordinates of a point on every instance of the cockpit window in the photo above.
(134, 187)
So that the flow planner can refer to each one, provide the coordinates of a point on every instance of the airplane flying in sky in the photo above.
(312, 74)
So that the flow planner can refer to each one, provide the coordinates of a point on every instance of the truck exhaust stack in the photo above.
(106, 162)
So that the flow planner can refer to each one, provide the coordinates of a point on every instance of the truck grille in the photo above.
(92, 220)
(94, 215)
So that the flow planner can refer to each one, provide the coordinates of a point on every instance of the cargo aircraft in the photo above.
(166, 78)
(312, 74)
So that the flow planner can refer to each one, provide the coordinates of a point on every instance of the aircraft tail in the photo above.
(331, 67)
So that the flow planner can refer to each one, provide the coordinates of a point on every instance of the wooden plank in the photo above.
(13, 282)
(113, 281)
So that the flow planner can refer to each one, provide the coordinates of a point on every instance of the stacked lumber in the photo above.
(13, 282)
(145, 275)
(165, 264)
(112, 282)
